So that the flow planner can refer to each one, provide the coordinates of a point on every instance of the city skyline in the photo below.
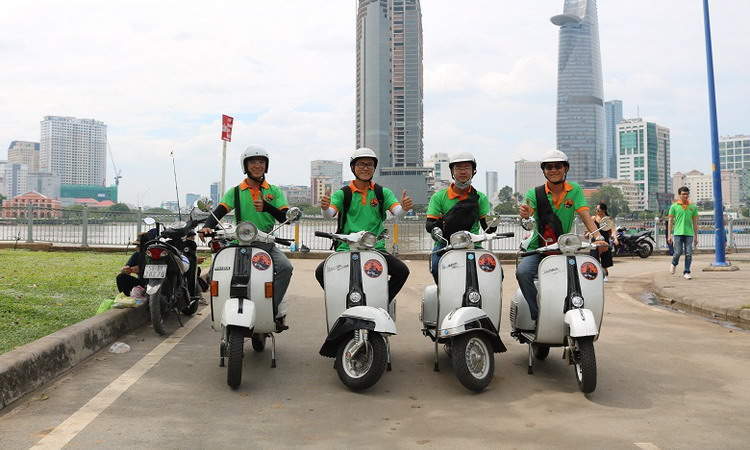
(153, 80)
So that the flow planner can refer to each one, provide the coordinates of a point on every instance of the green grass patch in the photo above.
(42, 292)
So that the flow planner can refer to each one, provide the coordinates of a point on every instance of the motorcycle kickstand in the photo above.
(437, 366)
(177, 314)
(273, 351)
(388, 354)
(531, 360)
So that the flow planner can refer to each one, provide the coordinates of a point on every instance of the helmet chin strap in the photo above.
(462, 184)
(259, 179)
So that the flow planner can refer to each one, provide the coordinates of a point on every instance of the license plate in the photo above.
(155, 271)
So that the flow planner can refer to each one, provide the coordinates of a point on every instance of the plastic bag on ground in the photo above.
(105, 305)
(119, 347)
(124, 302)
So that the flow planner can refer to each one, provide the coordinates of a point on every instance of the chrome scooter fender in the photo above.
(238, 313)
(380, 317)
(154, 285)
(357, 318)
(581, 322)
(470, 318)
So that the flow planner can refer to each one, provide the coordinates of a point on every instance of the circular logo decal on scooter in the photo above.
(261, 261)
(487, 263)
(373, 268)
(589, 271)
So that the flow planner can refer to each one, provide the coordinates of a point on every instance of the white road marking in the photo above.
(646, 445)
(66, 431)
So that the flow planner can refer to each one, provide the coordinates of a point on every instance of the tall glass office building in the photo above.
(390, 83)
(580, 108)
(613, 113)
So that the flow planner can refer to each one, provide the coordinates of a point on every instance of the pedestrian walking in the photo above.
(681, 230)
(604, 258)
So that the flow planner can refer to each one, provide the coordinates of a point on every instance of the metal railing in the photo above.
(95, 227)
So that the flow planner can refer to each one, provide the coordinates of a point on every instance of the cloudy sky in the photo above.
(160, 74)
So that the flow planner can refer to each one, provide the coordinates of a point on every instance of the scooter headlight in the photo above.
(355, 297)
(246, 232)
(569, 243)
(461, 239)
(577, 301)
(474, 297)
(368, 240)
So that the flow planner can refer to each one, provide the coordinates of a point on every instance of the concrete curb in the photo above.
(740, 316)
(30, 366)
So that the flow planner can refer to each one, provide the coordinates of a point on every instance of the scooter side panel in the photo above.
(490, 276)
(430, 306)
(451, 282)
(262, 273)
(553, 281)
(375, 279)
(336, 280)
(592, 286)
(221, 272)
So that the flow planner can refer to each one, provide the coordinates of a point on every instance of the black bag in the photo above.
(549, 225)
(462, 216)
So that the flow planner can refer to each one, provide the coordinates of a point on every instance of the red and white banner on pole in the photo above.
(226, 128)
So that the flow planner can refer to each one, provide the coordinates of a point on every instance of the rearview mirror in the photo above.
(293, 214)
(492, 221)
(149, 220)
(528, 224)
(204, 204)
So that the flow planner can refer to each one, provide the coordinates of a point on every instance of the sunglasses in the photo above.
(553, 166)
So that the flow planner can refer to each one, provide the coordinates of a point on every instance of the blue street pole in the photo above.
(720, 258)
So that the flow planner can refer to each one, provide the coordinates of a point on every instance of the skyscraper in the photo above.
(74, 149)
(23, 152)
(580, 108)
(613, 113)
(491, 179)
(16, 179)
(324, 175)
(644, 158)
(734, 154)
(528, 174)
(215, 195)
(389, 106)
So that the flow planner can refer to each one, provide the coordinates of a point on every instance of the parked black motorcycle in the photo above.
(171, 270)
(641, 243)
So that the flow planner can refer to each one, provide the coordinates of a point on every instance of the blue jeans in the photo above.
(525, 274)
(435, 261)
(683, 244)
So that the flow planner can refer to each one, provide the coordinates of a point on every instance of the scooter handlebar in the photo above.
(283, 241)
(508, 234)
(323, 234)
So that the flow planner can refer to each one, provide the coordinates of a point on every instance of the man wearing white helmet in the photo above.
(263, 204)
(554, 205)
(362, 206)
(458, 207)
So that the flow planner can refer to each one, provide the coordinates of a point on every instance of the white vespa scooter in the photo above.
(242, 293)
(463, 310)
(571, 303)
(359, 319)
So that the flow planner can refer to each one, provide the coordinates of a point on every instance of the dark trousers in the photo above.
(397, 273)
(126, 282)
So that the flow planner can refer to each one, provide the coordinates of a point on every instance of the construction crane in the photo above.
(116, 171)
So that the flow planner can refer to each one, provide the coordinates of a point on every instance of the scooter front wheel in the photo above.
(584, 362)
(473, 360)
(361, 368)
(235, 354)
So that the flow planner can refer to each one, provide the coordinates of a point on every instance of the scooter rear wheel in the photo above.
(584, 363)
(473, 360)
(259, 342)
(363, 369)
(644, 249)
(235, 352)
(156, 304)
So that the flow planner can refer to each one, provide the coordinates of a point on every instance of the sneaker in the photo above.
(688, 276)
(606, 279)
(671, 269)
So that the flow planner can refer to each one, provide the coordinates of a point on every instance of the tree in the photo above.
(613, 198)
(119, 207)
(507, 204)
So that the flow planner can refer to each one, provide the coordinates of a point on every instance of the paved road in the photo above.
(666, 380)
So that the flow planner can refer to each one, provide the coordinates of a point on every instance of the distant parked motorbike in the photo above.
(641, 244)
(171, 270)
(242, 291)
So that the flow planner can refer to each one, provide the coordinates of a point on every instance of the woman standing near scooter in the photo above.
(604, 258)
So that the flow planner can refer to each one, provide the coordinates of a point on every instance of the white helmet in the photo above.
(555, 156)
(462, 157)
(253, 151)
(362, 152)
